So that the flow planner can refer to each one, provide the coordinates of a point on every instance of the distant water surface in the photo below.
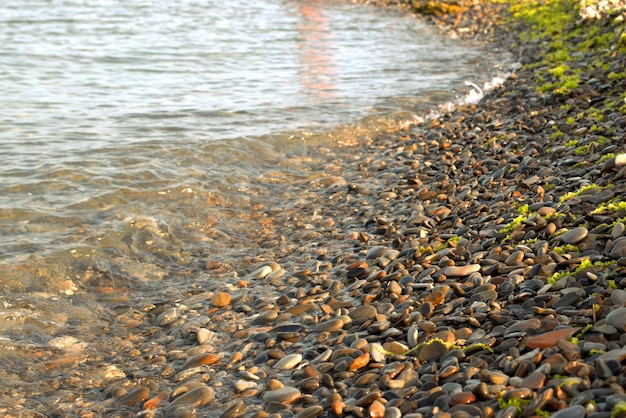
(137, 134)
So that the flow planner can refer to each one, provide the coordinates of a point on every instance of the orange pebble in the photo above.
(338, 408)
(359, 362)
(155, 402)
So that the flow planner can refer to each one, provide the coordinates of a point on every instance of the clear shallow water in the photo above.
(138, 137)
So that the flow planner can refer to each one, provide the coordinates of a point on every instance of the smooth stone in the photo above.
(259, 273)
(363, 312)
(412, 336)
(618, 230)
(331, 325)
(196, 397)
(461, 271)
(521, 326)
(376, 410)
(569, 299)
(221, 299)
(461, 398)
(242, 385)
(574, 236)
(534, 381)
(392, 412)
(200, 360)
(576, 411)
(203, 335)
(549, 339)
(237, 409)
(310, 412)
(619, 248)
(618, 297)
(282, 395)
(618, 355)
(288, 362)
(617, 318)
(376, 251)
(135, 396)
(432, 351)
(359, 362)
(167, 317)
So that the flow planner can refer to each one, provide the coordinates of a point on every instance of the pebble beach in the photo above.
(470, 265)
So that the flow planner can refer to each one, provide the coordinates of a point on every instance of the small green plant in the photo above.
(523, 210)
(585, 264)
(567, 248)
(582, 150)
(517, 403)
(609, 207)
(619, 410)
(571, 195)
(556, 134)
(572, 143)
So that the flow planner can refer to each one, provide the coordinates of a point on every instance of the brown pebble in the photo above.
(549, 339)
(310, 412)
(196, 397)
(376, 410)
(237, 409)
(282, 395)
(331, 325)
(137, 395)
(359, 362)
(462, 398)
(460, 271)
(221, 299)
(200, 360)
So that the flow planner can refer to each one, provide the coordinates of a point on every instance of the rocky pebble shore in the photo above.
(472, 265)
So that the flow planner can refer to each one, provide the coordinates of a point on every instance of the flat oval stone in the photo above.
(461, 398)
(549, 339)
(363, 312)
(359, 362)
(432, 351)
(528, 324)
(196, 397)
(376, 251)
(576, 411)
(260, 273)
(200, 360)
(617, 318)
(618, 297)
(221, 299)
(137, 395)
(574, 236)
(331, 325)
(288, 362)
(282, 395)
(460, 271)
(310, 412)
(619, 248)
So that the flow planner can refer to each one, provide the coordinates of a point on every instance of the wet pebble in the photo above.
(574, 236)
(282, 395)
(288, 362)
(196, 397)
